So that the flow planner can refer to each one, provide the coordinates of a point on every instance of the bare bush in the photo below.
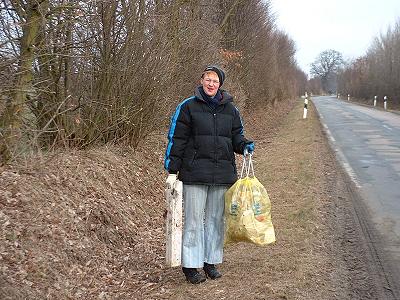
(378, 72)
(80, 73)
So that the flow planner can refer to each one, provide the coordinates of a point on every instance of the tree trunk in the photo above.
(16, 111)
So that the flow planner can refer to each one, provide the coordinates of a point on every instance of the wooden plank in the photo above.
(174, 225)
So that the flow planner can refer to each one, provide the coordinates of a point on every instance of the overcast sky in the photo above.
(347, 26)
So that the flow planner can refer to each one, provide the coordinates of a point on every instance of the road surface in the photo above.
(367, 144)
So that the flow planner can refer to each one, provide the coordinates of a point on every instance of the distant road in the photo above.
(367, 143)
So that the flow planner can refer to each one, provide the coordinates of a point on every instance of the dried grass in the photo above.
(83, 224)
(89, 224)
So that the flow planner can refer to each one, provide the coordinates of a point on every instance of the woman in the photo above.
(205, 131)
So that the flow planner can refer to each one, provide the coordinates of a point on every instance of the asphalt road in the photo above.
(367, 144)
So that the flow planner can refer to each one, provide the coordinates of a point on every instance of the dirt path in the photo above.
(89, 225)
(319, 253)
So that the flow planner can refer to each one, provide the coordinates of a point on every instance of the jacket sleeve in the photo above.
(178, 136)
(238, 139)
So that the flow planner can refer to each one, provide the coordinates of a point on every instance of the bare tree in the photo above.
(378, 72)
(83, 73)
(16, 112)
(262, 57)
(326, 66)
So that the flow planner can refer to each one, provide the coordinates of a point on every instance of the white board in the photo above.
(174, 225)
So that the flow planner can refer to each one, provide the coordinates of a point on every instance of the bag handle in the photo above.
(247, 166)
(250, 167)
(243, 167)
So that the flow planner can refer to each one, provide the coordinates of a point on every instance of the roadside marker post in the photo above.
(384, 102)
(173, 244)
(305, 106)
(348, 97)
(375, 100)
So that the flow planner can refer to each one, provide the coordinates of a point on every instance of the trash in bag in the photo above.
(248, 210)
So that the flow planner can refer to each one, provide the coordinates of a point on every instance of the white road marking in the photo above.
(329, 133)
(387, 127)
(343, 159)
(348, 168)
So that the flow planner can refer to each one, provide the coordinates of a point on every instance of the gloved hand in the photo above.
(171, 180)
(248, 148)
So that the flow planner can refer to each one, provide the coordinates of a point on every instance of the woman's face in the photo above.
(210, 83)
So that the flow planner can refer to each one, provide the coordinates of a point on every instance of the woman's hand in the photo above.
(171, 180)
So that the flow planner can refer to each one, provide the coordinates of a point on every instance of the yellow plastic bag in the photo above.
(248, 211)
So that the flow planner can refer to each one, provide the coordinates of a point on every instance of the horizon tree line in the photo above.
(377, 73)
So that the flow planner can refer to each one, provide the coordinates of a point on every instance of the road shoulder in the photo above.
(320, 252)
(89, 225)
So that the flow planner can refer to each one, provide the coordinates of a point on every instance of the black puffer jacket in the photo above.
(203, 139)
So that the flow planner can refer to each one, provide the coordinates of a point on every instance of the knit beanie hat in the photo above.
(218, 70)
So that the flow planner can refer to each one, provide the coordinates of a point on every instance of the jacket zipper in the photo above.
(194, 157)
(215, 145)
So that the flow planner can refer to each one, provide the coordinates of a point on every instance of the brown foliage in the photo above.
(111, 71)
(74, 223)
(378, 72)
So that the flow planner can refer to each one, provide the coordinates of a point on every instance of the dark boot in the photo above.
(193, 276)
(211, 271)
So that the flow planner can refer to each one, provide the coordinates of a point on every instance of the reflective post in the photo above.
(305, 106)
